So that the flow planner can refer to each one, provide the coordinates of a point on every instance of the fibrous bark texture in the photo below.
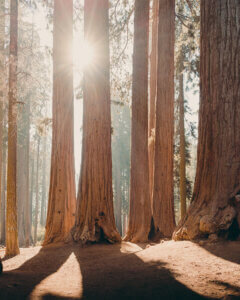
(140, 206)
(2, 94)
(215, 207)
(12, 247)
(163, 199)
(153, 93)
(62, 199)
(95, 218)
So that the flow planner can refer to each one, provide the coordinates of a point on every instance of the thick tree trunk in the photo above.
(37, 195)
(62, 198)
(182, 171)
(11, 214)
(140, 206)
(95, 217)
(2, 92)
(163, 196)
(153, 93)
(215, 207)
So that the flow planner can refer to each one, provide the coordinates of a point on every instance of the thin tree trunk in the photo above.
(37, 195)
(62, 198)
(215, 206)
(118, 206)
(140, 206)
(182, 173)
(163, 196)
(27, 191)
(12, 247)
(3, 207)
(153, 93)
(95, 216)
(21, 192)
(31, 197)
(43, 203)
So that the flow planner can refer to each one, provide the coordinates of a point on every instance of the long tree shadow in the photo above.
(19, 283)
(228, 250)
(107, 273)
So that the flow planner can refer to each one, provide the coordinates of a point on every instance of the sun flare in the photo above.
(84, 54)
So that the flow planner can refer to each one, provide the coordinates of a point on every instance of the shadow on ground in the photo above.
(227, 250)
(107, 273)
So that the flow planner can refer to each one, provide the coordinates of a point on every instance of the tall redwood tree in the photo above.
(62, 199)
(12, 247)
(140, 206)
(95, 218)
(163, 197)
(215, 207)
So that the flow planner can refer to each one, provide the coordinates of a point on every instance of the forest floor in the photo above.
(169, 270)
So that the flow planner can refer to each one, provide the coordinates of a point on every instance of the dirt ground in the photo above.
(169, 270)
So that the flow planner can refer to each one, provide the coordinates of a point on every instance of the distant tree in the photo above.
(95, 216)
(215, 203)
(121, 160)
(163, 196)
(140, 206)
(62, 199)
(182, 147)
(187, 77)
(12, 247)
(37, 193)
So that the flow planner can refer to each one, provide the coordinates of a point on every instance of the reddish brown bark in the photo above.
(4, 183)
(2, 93)
(163, 201)
(95, 218)
(153, 93)
(215, 207)
(11, 213)
(140, 206)
(62, 199)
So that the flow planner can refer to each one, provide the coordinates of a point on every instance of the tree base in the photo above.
(207, 222)
(101, 231)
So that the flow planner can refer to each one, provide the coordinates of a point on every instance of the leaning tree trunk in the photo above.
(140, 206)
(62, 198)
(215, 207)
(182, 167)
(12, 247)
(153, 93)
(163, 196)
(95, 218)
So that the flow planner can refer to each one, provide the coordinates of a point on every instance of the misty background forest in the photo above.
(119, 140)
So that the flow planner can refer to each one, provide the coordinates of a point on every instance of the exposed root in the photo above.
(223, 223)
(101, 231)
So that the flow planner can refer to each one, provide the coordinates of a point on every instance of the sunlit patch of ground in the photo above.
(66, 281)
(170, 270)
